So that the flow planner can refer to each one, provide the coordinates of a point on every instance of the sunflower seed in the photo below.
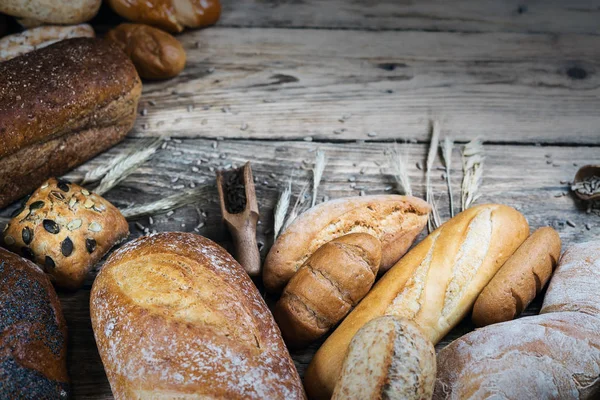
(5, 228)
(73, 225)
(27, 253)
(44, 185)
(85, 192)
(49, 263)
(27, 235)
(571, 223)
(72, 202)
(58, 195)
(36, 205)
(90, 245)
(9, 240)
(88, 203)
(66, 247)
(99, 207)
(51, 226)
(95, 227)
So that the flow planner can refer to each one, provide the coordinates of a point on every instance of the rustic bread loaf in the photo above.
(395, 220)
(60, 106)
(332, 281)
(66, 230)
(155, 53)
(33, 333)
(388, 358)
(170, 15)
(434, 285)
(175, 316)
(555, 355)
(51, 11)
(519, 280)
(14, 45)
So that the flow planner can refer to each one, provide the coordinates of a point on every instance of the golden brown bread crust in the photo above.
(80, 86)
(84, 226)
(332, 281)
(434, 285)
(33, 333)
(520, 279)
(175, 315)
(170, 15)
(395, 220)
(155, 53)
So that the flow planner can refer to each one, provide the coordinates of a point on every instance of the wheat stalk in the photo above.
(281, 209)
(98, 173)
(400, 171)
(127, 166)
(168, 203)
(298, 208)
(447, 147)
(319, 167)
(434, 220)
(473, 156)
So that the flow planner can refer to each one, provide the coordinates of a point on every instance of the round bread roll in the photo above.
(519, 280)
(40, 12)
(388, 358)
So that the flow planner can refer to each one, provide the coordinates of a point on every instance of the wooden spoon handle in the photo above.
(246, 248)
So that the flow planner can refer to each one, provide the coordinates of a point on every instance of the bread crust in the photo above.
(434, 285)
(78, 92)
(520, 279)
(174, 315)
(52, 11)
(395, 220)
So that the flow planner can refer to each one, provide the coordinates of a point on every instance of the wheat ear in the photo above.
(168, 203)
(281, 209)
(319, 167)
(447, 147)
(473, 156)
(400, 171)
(434, 219)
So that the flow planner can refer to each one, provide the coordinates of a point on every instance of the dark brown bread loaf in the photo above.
(60, 106)
(33, 333)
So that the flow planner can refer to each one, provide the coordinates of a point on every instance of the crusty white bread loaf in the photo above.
(554, 355)
(434, 285)
(395, 220)
(332, 281)
(176, 317)
(388, 358)
(520, 279)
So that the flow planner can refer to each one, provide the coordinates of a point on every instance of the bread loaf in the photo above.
(395, 220)
(155, 53)
(170, 15)
(332, 281)
(388, 358)
(14, 45)
(60, 106)
(554, 355)
(66, 230)
(51, 11)
(33, 333)
(519, 280)
(434, 285)
(175, 316)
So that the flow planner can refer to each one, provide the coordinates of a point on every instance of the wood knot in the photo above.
(390, 66)
(577, 73)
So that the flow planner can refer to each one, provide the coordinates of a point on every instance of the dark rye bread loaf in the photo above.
(60, 106)
(33, 333)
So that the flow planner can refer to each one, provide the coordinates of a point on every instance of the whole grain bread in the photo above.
(175, 316)
(60, 106)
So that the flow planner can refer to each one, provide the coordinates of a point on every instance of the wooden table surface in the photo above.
(275, 80)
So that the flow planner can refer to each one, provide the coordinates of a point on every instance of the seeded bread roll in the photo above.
(519, 280)
(434, 285)
(40, 12)
(14, 45)
(33, 333)
(66, 230)
(176, 317)
(395, 220)
(388, 358)
(60, 106)
(332, 281)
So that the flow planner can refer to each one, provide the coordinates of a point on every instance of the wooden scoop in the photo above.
(587, 190)
(239, 208)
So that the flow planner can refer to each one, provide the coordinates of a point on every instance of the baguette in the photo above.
(434, 285)
(175, 316)
(60, 106)
(519, 280)
(332, 281)
(554, 355)
(388, 358)
(395, 220)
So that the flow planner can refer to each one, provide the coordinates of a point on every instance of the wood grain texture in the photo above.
(345, 85)
(556, 16)
(520, 176)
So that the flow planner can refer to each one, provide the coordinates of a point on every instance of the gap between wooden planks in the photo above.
(520, 176)
(346, 85)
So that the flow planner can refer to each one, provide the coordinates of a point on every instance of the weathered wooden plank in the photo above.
(293, 84)
(554, 16)
(526, 177)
